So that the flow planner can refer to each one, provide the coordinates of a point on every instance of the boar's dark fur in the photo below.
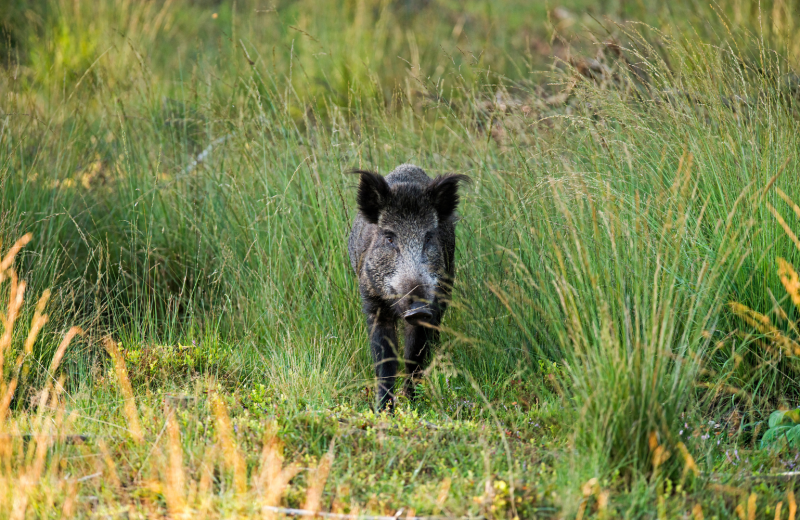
(402, 247)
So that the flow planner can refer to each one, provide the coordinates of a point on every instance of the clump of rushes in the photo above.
(633, 307)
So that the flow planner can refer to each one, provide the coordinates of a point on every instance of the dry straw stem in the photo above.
(784, 225)
(39, 320)
(59, 355)
(790, 281)
(15, 299)
(231, 454)
(273, 478)
(9, 258)
(691, 465)
(127, 392)
(175, 488)
(111, 469)
(792, 504)
(37, 458)
(204, 489)
(5, 399)
(444, 492)
(789, 201)
(763, 324)
(288, 511)
(67, 509)
(30, 477)
(318, 480)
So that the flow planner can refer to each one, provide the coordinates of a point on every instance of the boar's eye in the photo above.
(428, 238)
(390, 238)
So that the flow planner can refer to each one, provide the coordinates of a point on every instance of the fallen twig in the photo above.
(305, 512)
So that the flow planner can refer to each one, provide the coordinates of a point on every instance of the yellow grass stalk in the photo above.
(339, 505)
(691, 465)
(273, 478)
(602, 503)
(5, 401)
(778, 510)
(9, 258)
(697, 512)
(54, 364)
(318, 479)
(763, 324)
(784, 225)
(204, 490)
(581, 509)
(175, 486)
(231, 454)
(15, 298)
(271, 463)
(30, 477)
(790, 281)
(5, 456)
(121, 370)
(792, 504)
(589, 488)
(751, 507)
(790, 202)
(38, 322)
(444, 492)
(68, 509)
(111, 469)
(277, 486)
(16, 435)
(62, 349)
(5, 485)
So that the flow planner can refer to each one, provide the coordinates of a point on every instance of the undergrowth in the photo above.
(619, 333)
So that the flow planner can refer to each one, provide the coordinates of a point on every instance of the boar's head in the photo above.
(406, 262)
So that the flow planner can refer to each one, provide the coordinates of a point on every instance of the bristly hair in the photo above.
(443, 193)
(373, 195)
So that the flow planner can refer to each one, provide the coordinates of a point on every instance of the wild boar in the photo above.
(402, 249)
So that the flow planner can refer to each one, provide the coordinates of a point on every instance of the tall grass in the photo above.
(195, 201)
(35, 467)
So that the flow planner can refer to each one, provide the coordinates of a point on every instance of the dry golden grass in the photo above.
(34, 475)
(125, 386)
(781, 338)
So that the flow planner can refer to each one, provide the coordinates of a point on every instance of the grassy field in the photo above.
(624, 335)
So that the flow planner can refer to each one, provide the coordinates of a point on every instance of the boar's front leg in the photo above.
(383, 343)
(420, 340)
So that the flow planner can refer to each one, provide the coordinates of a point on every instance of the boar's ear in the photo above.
(373, 194)
(443, 193)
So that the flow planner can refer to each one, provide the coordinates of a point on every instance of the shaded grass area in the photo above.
(181, 167)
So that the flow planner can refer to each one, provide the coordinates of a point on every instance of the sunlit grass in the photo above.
(183, 177)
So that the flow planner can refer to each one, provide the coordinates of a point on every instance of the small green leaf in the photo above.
(774, 435)
(776, 418)
(793, 436)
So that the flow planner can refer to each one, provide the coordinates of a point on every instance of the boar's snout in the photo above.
(418, 312)
(417, 294)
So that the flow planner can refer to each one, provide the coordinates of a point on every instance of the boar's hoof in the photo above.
(419, 312)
